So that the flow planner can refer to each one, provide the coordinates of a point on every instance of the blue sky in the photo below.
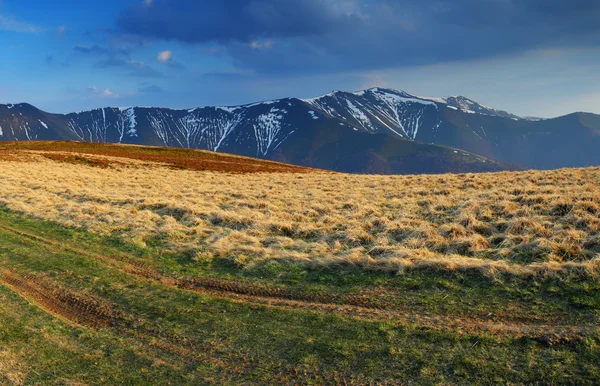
(529, 57)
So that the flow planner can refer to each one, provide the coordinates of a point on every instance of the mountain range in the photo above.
(372, 131)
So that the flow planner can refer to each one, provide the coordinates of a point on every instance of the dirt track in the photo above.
(92, 313)
(74, 308)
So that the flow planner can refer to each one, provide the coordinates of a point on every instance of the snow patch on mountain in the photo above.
(319, 98)
(395, 98)
(470, 106)
(359, 115)
(267, 127)
(228, 109)
(131, 119)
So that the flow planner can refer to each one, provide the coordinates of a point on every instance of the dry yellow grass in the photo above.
(12, 370)
(533, 222)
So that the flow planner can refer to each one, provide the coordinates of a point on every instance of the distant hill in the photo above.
(372, 131)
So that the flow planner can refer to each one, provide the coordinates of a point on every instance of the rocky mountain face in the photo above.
(372, 131)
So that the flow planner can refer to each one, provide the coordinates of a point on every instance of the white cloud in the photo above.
(164, 56)
(147, 3)
(11, 24)
(373, 79)
(258, 45)
(61, 31)
(106, 93)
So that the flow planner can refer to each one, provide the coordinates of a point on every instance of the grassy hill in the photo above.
(137, 265)
(176, 158)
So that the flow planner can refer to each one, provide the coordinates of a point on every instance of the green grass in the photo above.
(451, 291)
(232, 342)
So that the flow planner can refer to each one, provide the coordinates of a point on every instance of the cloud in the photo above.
(61, 31)
(106, 93)
(9, 23)
(150, 89)
(223, 20)
(120, 59)
(230, 74)
(258, 45)
(213, 51)
(373, 79)
(142, 70)
(275, 36)
(164, 56)
(93, 50)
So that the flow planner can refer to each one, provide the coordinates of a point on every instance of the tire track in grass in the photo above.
(90, 313)
(67, 305)
(357, 307)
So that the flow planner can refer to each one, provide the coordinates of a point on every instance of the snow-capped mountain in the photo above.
(340, 130)
(377, 110)
(469, 106)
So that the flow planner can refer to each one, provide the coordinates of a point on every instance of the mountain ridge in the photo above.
(443, 100)
(345, 124)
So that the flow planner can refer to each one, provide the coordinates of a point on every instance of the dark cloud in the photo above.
(142, 70)
(93, 50)
(119, 58)
(53, 61)
(195, 21)
(109, 57)
(176, 65)
(281, 36)
(229, 75)
(112, 62)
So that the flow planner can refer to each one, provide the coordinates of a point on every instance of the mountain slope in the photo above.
(288, 130)
(376, 130)
(459, 122)
(334, 147)
(568, 141)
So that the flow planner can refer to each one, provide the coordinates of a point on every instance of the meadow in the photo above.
(292, 275)
(527, 223)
